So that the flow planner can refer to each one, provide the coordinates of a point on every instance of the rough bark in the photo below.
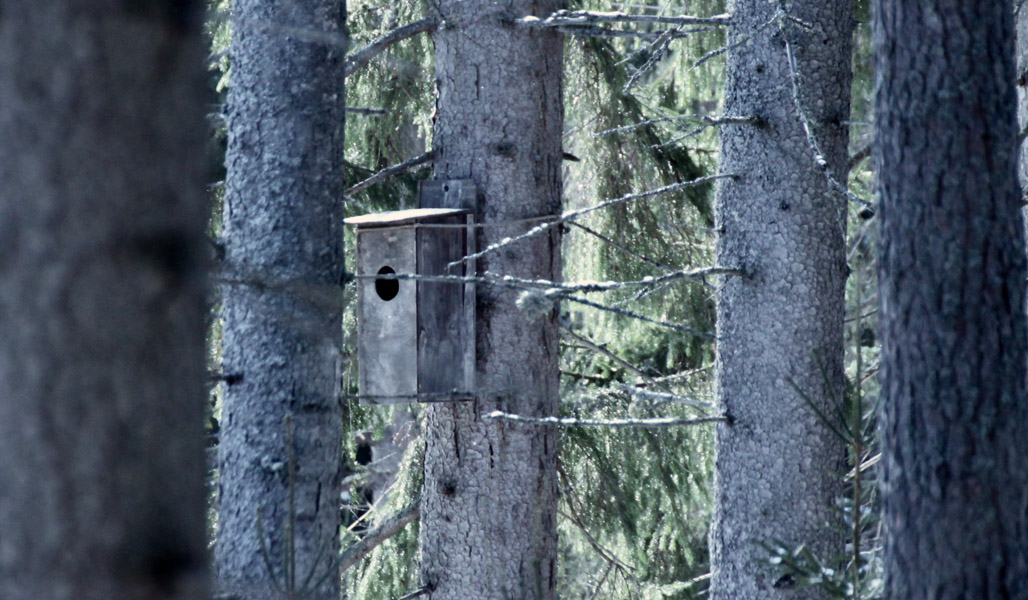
(488, 517)
(281, 302)
(780, 326)
(952, 277)
(1021, 62)
(102, 303)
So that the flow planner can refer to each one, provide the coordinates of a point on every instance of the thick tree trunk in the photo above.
(781, 325)
(952, 278)
(102, 303)
(282, 304)
(488, 524)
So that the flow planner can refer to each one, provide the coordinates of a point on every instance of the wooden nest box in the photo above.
(416, 337)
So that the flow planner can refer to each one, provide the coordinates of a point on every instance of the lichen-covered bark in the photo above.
(781, 325)
(281, 300)
(488, 524)
(952, 277)
(102, 301)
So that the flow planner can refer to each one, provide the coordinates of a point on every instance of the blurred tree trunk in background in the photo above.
(952, 278)
(780, 328)
(280, 453)
(102, 215)
(489, 510)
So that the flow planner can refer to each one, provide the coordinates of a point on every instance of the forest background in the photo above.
(107, 267)
(641, 113)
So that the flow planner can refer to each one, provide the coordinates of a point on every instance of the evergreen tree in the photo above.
(102, 304)
(780, 352)
(952, 292)
(279, 456)
(488, 517)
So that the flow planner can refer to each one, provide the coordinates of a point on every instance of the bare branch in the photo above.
(375, 112)
(383, 532)
(657, 50)
(597, 31)
(584, 17)
(417, 593)
(619, 246)
(534, 301)
(664, 397)
(361, 57)
(574, 214)
(819, 157)
(606, 286)
(390, 171)
(613, 423)
(859, 156)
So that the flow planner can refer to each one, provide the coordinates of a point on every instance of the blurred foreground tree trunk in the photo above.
(780, 327)
(489, 509)
(102, 216)
(280, 453)
(952, 291)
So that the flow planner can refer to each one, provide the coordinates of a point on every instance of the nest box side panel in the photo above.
(387, 323)
(442, 324)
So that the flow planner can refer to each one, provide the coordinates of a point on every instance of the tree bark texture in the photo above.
(102, 213)
(281, 301)
(1021, 62)
(780, 326)
(952, 277)
(488, 519)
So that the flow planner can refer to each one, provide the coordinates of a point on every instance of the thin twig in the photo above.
(665, 397)
(553, 287)
(859, 156)
(612, 423)
(390, 171)
(417, 593)
(376, 536)
(584, 17)
(361, 57)
(539, 296)
(597, 31)
(374, 112)
(591, 345)
(657, 50)
(619, 246)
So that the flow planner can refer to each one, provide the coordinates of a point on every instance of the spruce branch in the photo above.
(390, 171)
(354, 553)
(364, 55)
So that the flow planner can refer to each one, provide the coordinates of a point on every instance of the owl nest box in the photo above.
(415, 336)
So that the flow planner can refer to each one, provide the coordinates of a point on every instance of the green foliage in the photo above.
(391, 570)
(400, 82)
(636, 503)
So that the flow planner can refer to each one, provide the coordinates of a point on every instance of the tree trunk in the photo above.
(952, 276)
(488, 524)
(780, 327)
(280, 454)
(102, 303)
